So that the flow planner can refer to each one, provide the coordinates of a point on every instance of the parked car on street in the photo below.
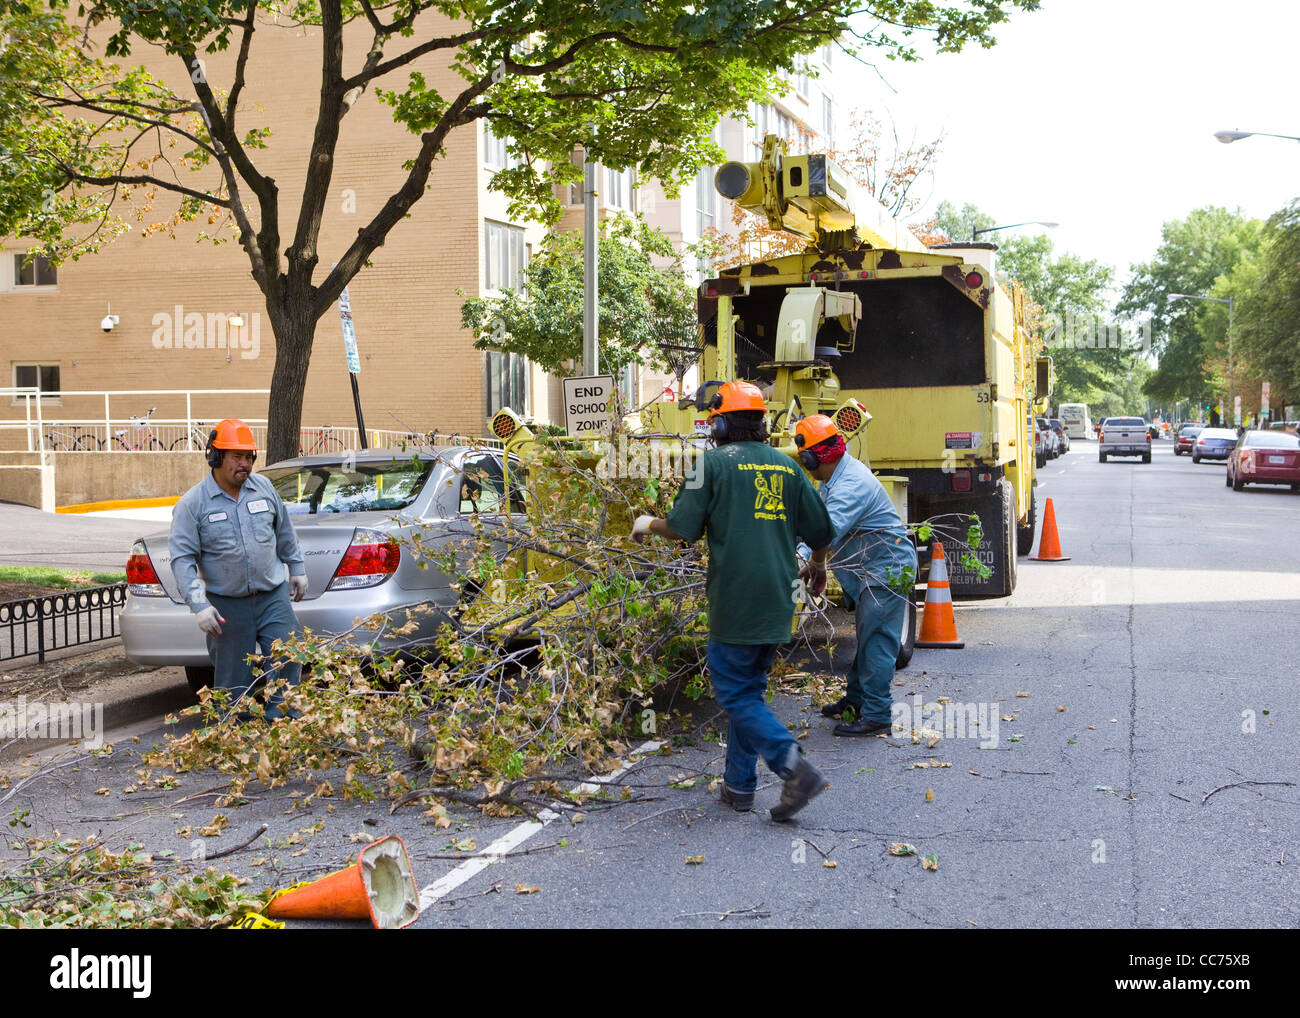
(1185, 440)
(354, 515)
(1264, 457)
(1062, 435)
(1051, 443)
(1214, 444)
(1124, 436)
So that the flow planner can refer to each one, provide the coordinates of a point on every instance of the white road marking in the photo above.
(513, 839)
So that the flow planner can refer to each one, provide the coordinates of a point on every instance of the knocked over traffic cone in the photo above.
(938, 627)
(379, 886)
(1049, 545)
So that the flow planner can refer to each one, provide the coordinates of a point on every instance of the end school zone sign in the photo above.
(588, 405)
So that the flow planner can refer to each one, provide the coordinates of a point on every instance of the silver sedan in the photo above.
(355, 515)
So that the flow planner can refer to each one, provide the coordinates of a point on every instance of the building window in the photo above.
(44, 377)
(828, 122)
(827, 48)
(506, 256)
(628, 387)
(37, 272)
(802, 77)
(705, 213)
(507, 382)
(759, 114)
(618, 189)
(495, 153)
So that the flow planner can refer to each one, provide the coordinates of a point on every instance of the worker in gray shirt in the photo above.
(230, 540)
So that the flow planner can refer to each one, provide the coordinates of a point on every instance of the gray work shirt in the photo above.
(239, 546)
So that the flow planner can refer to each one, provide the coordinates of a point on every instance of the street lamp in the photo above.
(1228, 137)
(1217, 300)
(1032, 222)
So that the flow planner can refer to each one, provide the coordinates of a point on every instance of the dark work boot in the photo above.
(803, 785)
(834, 710)
(741, 802)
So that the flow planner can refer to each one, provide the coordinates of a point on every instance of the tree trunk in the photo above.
(294, 334)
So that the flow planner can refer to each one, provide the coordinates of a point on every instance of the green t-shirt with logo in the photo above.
(755, 504)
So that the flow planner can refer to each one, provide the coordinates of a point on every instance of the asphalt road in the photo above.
(29, 537)
(1154, 669)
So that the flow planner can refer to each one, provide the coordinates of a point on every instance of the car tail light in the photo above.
(141, 580)
(371, 558)
(1200, 441)
(1148, 438)
(1247, 464)
(961, 480)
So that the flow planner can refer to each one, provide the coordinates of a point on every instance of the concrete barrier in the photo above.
(26, 480)
(77, 477)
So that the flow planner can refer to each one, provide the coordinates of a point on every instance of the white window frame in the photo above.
(11, 279)
(45, 400)
(505, 251)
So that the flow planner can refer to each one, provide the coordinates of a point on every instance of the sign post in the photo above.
(1236, 410)
(354, 359)
(1263, 404)
(588, 406)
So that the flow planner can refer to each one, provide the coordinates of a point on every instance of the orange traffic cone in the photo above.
(379, 886)
(938, 627)
(1049, 545)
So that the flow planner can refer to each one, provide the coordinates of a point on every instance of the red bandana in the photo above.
(830, 450)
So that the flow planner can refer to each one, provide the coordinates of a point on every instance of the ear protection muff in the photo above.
(807, 458)
(215, 455)
(718, 422)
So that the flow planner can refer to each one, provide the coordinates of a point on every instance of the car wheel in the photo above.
(1195, 458)
(907, 644)
(1227, 479)
(198, 676)
(1178, 452)
(1238, 484)
(1101, 457)
(1146, 458)
(1295, 489)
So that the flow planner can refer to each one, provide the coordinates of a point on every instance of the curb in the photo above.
(126, 700)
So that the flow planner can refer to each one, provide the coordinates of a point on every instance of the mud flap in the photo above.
(997, 551)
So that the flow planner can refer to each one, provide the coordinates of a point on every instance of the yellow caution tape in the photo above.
(257, 921)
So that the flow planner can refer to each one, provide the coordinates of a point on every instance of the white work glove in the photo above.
(297, 587)
(209, 621)
(641, 528)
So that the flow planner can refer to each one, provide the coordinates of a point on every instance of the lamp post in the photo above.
(1216, 300)
(992, 229)
(1228, 137)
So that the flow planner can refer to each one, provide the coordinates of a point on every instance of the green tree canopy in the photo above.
(1268, 315)
(642, 304)
(638, 84)
(1193, 253)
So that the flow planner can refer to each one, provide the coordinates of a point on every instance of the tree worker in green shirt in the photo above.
(754, 503)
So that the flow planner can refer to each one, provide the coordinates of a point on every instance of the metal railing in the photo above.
(55, 621)
(36, 431)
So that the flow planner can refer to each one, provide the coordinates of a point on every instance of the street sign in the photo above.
(349, 332)
(1263, 402)
(1236, 410)
(588, 405)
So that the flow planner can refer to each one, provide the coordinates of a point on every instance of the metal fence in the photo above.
(69, 618)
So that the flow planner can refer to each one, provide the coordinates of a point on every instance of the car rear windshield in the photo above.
(1125, 422)
(350, 487)
(1272, 440)
(1190, 430)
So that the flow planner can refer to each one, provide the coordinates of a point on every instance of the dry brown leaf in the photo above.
(694, 860)
(932, 742)
(213, 830)
(525, 889)
(830, 864)
(103, 791)
(184, 832)
(929, 795)
(930, 862)
(301, 851)
(902, 848)
(1022, 694)
(360, 838)
(1060, 710)
(921, 764)
(976, 773)
(261, 860)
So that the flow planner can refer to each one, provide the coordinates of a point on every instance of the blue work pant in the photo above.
(738, 673)
(252, 622)
(880, 613)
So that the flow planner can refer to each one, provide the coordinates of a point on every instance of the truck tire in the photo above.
(1025, 534)
(1146, 457)
(198, 676)
(907, 643)
(1101, 456)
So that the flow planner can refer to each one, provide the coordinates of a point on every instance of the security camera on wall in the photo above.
(109, 320)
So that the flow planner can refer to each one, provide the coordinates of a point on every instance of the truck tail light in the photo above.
(974, 280)
(961, 480)
(141, 580)
(371, 558)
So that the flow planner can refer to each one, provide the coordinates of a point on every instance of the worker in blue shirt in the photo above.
(871, 548)
(230, 541)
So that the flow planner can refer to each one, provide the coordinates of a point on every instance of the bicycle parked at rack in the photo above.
(325, 442)
(68, 441)
(196, 440)
(149, 442)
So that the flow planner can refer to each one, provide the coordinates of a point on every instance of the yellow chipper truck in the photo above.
(868, 316)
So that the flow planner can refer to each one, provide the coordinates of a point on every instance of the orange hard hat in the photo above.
(233, 434)
(733, 396)
(814, 430)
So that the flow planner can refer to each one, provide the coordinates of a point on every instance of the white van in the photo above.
(1076, 420)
